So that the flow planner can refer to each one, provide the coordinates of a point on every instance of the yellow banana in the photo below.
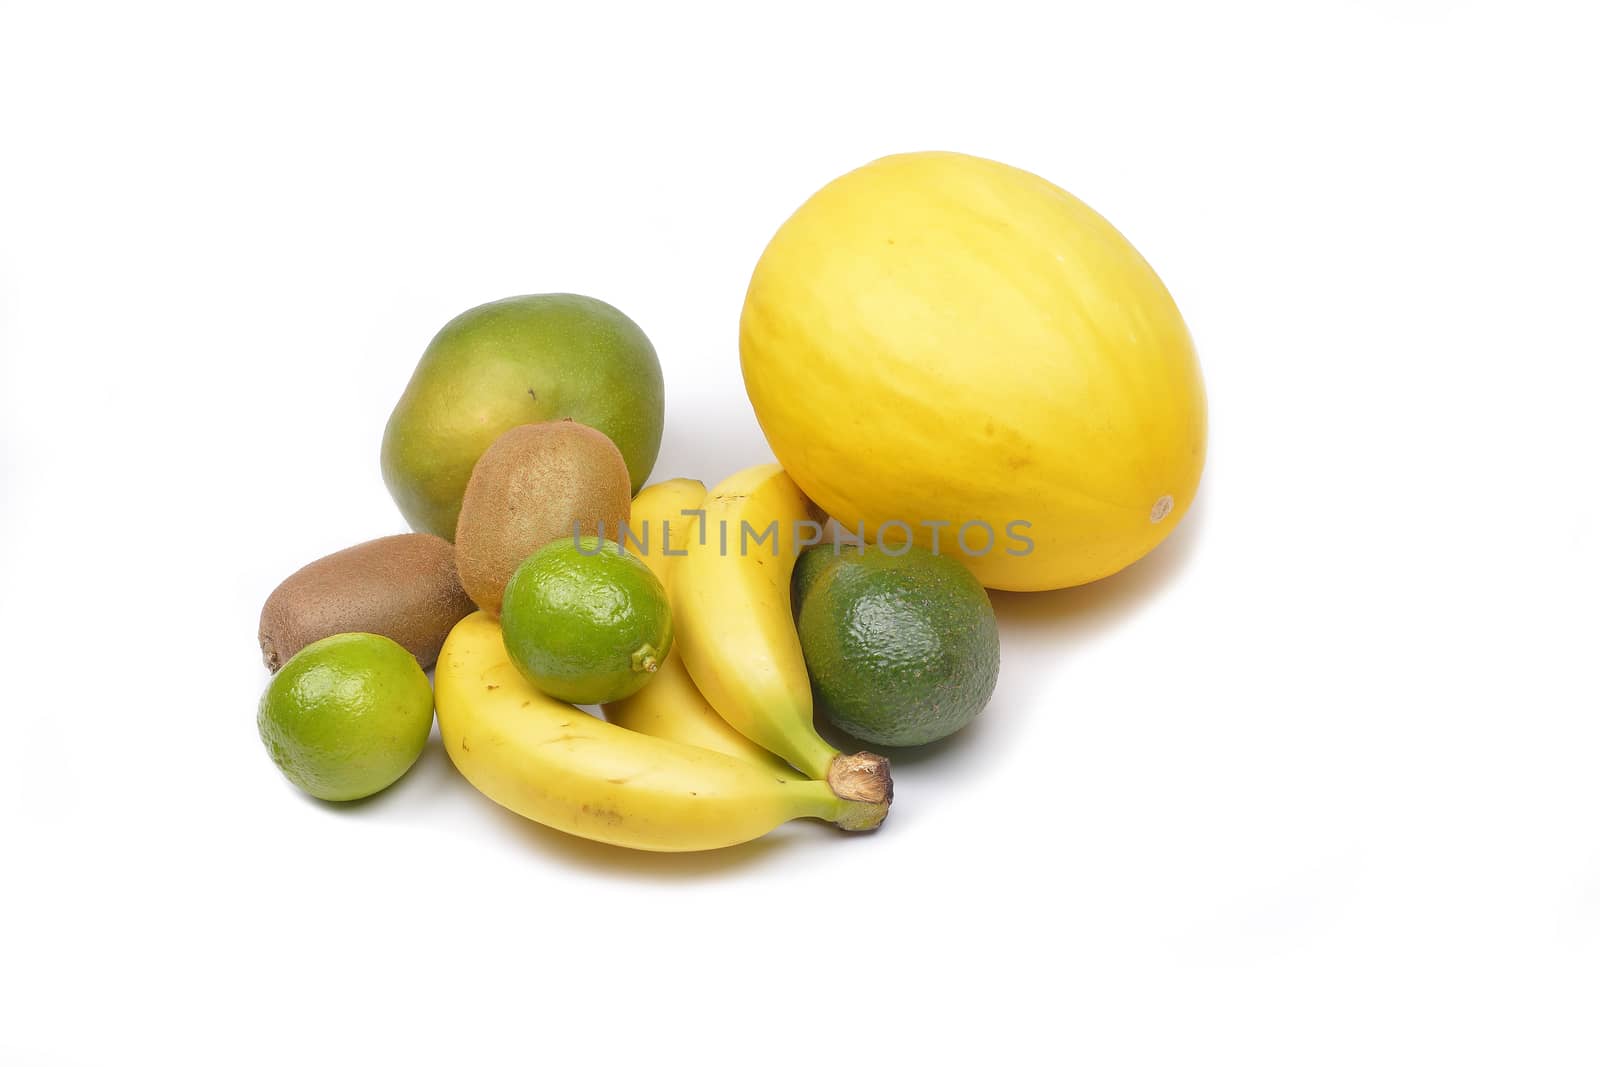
(657, 512)
(552, 763)
(670, 706)
(735, 629)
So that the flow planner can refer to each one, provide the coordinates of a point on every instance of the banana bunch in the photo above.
(692, 760)
(671, 705)
(730, 599)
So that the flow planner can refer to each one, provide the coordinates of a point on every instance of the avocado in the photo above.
(902, 649)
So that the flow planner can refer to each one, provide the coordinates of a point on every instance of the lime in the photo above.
(346, 716)
(903, 648)
(586, 622)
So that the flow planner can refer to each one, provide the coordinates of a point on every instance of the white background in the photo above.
(1316, 783)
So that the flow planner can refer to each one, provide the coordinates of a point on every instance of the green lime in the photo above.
(346, 716)
(586, 622)
(902, 649)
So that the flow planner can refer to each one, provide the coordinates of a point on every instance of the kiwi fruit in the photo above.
(404, 588)
(533, 485)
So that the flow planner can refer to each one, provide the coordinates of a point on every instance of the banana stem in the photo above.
(804, 749)
(817, 800)
(854, 815)
(862, 777)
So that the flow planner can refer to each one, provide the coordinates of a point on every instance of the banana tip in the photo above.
(863, 777)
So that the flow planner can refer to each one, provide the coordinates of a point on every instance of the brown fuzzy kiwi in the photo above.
(403, 587)
(529, 488)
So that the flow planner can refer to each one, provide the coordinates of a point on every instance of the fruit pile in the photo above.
(968, 369)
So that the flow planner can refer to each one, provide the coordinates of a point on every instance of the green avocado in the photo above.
(902, 649)
(514, 361)
(812, 565)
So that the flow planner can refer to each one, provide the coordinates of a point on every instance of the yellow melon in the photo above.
(945, 346)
